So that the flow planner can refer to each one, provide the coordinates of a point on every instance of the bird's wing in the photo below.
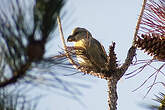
(96, 53)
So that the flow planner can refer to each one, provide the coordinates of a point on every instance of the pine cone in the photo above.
(153, 44)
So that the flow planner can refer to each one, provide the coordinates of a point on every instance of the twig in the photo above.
(20, 74)
(156, 72)
(61, 33)
(139, 21)
(128, 61)
(64, 44)
(154, 80)
(138, 70)
(144, 82)
(163, 84)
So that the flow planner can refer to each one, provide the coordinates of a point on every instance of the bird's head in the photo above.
(79, 34)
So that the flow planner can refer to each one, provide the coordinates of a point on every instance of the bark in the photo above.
(115, 76)
(112, 93)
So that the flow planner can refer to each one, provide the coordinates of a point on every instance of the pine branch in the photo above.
(15, 101)
(139, 21)
(19, 46)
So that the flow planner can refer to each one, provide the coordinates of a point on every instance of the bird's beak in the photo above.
(70, 38)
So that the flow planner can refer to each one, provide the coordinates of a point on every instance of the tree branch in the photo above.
(139, 21)
(112, 93)
(128, 61)
(64, 44)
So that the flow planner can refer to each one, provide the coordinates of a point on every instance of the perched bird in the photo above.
(91, 53)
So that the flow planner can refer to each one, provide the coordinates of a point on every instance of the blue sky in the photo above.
(107, 20)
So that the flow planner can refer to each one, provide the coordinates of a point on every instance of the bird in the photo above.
(89, 51)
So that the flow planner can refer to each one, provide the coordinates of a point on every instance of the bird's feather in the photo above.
(97, 53)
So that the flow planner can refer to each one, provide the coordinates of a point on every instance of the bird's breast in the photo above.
(81, 43)
(83, 61)
(81, 54)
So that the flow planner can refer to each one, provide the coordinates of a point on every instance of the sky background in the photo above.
(107, 20)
